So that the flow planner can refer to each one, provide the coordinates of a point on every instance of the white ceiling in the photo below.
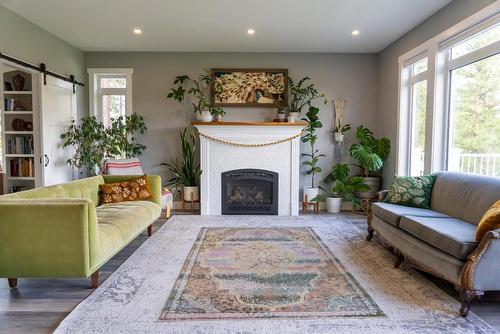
(221, 25)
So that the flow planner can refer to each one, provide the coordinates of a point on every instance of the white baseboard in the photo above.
(346, 206)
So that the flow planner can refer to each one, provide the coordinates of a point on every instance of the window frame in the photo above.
(438, 75)
(96, 92)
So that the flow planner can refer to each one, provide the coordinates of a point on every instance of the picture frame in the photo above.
(249, 87)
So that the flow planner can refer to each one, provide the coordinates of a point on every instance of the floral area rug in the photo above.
(264, 273)
(204, 257)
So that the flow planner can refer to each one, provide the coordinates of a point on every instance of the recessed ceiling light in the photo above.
(137, 31)
(355, 32)
(250, 31)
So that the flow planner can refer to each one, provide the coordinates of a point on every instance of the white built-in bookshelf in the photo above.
(18, 108)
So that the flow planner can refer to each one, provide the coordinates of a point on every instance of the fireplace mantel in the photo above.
(271, 146)
(301, 124)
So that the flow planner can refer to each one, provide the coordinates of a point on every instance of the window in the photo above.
(416, 85)
(449, 111)
(474, 113)
(111, 93)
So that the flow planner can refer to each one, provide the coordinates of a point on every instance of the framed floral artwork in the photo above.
(249, 87)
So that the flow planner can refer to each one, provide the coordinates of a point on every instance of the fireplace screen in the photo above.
(249, 192)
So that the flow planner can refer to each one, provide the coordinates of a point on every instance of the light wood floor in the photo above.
(38, 305)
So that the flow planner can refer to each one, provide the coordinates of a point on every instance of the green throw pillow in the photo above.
(411, 191)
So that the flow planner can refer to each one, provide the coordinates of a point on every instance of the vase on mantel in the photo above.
(204, 116)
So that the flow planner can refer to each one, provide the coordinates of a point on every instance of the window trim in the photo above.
(438, 83)
(95, 94)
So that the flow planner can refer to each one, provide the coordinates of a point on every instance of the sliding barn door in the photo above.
(58, 108)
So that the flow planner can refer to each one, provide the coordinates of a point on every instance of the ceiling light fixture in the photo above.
(250, 31)
(137, 31)
(355, 32)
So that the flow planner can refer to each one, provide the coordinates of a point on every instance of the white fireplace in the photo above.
(267, 146)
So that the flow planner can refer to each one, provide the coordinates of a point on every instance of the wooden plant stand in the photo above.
(191, 201)
(306, 204)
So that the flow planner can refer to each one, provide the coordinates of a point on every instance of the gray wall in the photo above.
(388, 67)
(24, 40)
(350, 76)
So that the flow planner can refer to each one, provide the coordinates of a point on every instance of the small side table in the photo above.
(167, 200)
(366, 205)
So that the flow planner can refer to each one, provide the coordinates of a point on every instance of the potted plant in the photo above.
(280, 112)
(339, 131)
(186, 173)
(217, 114)
(92, 141)
(199, 89)
(341, 186)
(310, 136)
(370, 154)
(302, 94)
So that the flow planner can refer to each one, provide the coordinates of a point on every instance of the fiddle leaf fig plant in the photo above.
(92, 141)
(302, 93)
(198, 89)
(370, 153)
(310, 136)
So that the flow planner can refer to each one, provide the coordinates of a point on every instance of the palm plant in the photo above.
(186, 173)
(342, 185)
(370, 153)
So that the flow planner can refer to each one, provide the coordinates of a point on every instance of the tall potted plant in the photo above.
(341, 186)
(302, 93)
(92, 141)
(186, 172)
(310, 136)
(370, 154)
(199, 90)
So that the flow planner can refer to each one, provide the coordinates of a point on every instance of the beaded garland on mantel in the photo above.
(264, 273)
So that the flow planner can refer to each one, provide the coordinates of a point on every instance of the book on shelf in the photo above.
(9, 104)
(20, 145)
(21, 167)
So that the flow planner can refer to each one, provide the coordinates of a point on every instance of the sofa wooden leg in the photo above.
(12, 282)
(150, 230)
(370, 234)
(399, 259)
(95, 279)
(466, 298)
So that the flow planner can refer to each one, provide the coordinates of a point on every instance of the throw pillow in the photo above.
(133, 190)
(411, 191)
(490, 221)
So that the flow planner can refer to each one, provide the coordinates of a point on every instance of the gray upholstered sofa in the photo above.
(442, 240)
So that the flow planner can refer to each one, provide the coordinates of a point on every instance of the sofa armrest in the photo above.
(153, 180)
(481, 271)
(381, 195)
(47, 237)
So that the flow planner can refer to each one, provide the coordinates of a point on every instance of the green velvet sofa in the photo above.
(62, 231)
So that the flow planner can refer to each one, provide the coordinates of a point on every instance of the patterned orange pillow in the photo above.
(132, 190)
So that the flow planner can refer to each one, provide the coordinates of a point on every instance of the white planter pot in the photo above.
(333, 204)
(205, 116)
(217, 118)
(339, 137)
(191, 194)
(295, 115)
(280, 116)
(310, 192)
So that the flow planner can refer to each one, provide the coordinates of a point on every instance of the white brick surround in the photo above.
(283, 158)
